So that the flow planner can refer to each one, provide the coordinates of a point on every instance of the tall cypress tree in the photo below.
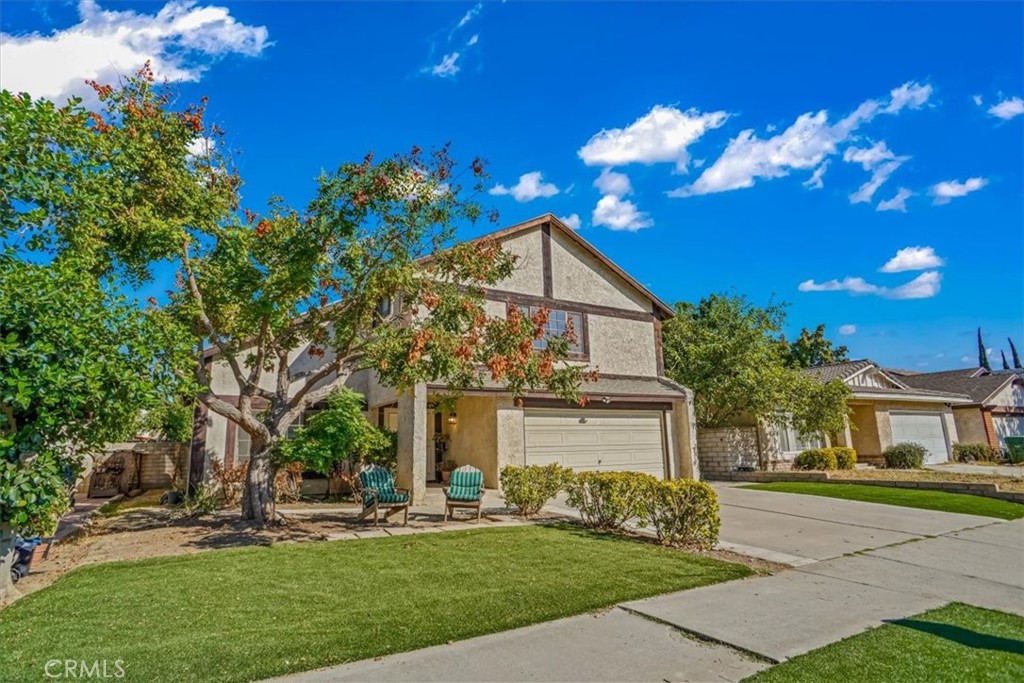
(1016, 358)
(982, 354)
(1006, 366)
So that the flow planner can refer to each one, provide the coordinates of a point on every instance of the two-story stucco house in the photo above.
(636, 418)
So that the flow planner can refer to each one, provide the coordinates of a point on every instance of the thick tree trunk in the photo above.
(258, 497)
(8, 592)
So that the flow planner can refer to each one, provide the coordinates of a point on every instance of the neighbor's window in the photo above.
(791, 441)
(558, 323)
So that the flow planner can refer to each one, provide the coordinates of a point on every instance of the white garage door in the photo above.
(606, 440)
(923, 428)
(1010, 425)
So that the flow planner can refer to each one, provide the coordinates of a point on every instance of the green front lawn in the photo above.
(911, 498)
(245, 614)
(955, 643)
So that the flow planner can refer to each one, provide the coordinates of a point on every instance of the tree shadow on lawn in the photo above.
(963, 636)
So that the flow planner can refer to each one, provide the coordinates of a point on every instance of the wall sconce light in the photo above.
(452, 418)
(606, 400)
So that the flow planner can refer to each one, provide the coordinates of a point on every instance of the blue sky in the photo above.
(862, 162)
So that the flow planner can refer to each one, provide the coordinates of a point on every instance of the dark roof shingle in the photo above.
(959, 382)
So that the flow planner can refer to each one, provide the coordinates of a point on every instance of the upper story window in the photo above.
(558, 323)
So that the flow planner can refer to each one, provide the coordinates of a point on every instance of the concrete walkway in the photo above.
(998, 470)
(857, 565)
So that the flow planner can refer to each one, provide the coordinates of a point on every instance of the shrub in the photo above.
(905, 456)
(973, 452)
(606, 500)
(815, 459)
(846, 458)
(202, 502)
(229, 482)
(530, 488)
(683, 512)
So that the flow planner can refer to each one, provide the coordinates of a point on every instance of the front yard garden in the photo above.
(913, 498)
(954, 643)
(251, 613)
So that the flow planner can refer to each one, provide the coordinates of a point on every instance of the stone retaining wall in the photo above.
(974, 489)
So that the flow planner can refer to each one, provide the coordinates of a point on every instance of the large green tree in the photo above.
(77, 363)
(136, 182)
(727, 350)
(811, 349)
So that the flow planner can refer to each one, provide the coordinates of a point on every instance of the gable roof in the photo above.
(556, 223)
(979, 387)
(845, 371)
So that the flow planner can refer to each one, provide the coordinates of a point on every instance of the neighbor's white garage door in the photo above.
(606, 440)
(1010, 425)
(923, 428)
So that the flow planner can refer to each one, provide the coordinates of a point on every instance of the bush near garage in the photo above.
(815, 459)
(905, 456)
(605, 500)
(975, 452)
(683, 512)
(846, 458)
(529, 488)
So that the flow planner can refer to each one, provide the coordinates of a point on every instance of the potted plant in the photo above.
(446, 470)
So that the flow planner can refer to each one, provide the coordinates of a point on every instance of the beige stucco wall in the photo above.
(474, 438)
(1011, 396)
(970, 425)
(578, 276)
(864, 433)
(528, 277)
(622, 347)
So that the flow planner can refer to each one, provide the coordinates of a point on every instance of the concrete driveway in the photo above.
(797, 530)
(855, 566)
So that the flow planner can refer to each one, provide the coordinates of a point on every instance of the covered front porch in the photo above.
(649, 429)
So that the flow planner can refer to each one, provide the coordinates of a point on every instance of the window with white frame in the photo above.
(302, 421)
(243, 445)
(791, 441)
(558, 323)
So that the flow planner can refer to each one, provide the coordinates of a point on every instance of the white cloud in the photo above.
(662, 135)
(924, 286)
(469, 15)
(847, 329)
(897, 203)
(913, 258)
(977, 100)
(180, 41)
(804, 145)
(948, 190)
(816, 181)
(910, 94)
(1007, 109)
(619, 214)
(572, 220)
(878, 159)
(447, 66)
(530, 187)
(610, 182)
(473, 40)
(966, 359)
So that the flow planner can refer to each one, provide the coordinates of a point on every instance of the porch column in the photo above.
(845, 437)
(511, 445)
(412, 442)
(684, 435)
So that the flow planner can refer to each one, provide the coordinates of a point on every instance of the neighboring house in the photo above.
(884, 410)
(636, 419)
(996, 407)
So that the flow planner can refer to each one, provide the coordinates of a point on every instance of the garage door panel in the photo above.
(923, 428)
(596, 440)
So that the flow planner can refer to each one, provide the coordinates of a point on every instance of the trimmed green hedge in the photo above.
(973, 452)
(606, 500)
(905, 456)
(530, 488)
(835, 458)
(846, 458)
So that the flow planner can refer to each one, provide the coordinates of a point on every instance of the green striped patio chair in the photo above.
(465, 490)
(378, 492)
